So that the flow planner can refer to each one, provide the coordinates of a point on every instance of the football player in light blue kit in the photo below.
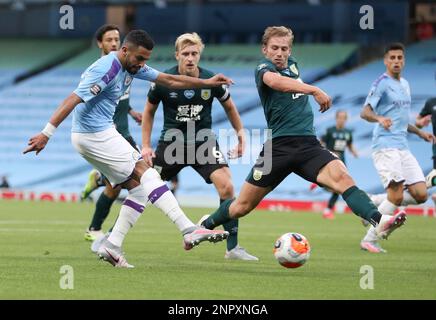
(388, 104)
(93, 135)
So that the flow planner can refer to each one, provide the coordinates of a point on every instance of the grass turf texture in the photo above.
(37, 238)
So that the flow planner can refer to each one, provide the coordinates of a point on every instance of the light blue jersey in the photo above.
(390, 98)
(101, 87)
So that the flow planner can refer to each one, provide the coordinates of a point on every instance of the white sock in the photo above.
(130, 211)
(387, 207)
(408, 199)
(161, 197)
(371, 235)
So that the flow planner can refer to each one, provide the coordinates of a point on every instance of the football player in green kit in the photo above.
(108, 40)
(336, 139)
(293, 146)
(187, 127)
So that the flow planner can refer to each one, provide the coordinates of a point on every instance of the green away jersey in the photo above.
(187, 108)
(337, 140)
(287, 114)
(121, 120)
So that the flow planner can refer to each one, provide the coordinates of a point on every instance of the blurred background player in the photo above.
(180, 112)
(4, 184)
(293, 147)
(388, 104)
(336, 139)
(108, 40)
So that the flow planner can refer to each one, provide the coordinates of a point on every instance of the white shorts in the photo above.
(108, 152)
(398, 166)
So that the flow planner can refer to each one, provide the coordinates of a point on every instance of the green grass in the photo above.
(37, 238)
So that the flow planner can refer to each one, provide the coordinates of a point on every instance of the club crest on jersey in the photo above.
(257, 175)
(189, 93)
(294, 69)
(128, 80)
(95, 89)
(205, 94)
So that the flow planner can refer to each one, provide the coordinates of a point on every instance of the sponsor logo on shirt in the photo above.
(95, 89)
(173, 95)
(189, 112)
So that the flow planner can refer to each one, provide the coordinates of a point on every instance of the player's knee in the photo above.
(421, 197)
(343, 182)
(396, 199)
(112, 193)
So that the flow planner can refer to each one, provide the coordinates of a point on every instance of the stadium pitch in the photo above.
(44, 256)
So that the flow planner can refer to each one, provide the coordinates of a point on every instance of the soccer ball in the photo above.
(292, 250)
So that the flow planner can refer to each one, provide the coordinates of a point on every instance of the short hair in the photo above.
(394, 46)
(341, 111)
(188, 39)
(103, 29)
(277, 32)
(139, 38)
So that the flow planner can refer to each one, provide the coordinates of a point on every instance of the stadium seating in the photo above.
(25, 56)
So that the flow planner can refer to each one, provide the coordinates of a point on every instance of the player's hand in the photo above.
(424, 121)
(385, 122)
(322, 98)
(239, 149)
(236, 152)
(148, 155)
(218, 80)
(427, 136)
(36, 143)
(137, 116)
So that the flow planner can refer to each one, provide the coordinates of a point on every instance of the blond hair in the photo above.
(275, 31)
(188, 39)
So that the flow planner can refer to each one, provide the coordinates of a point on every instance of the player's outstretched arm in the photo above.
(147, 125)
(186, 82)
(284, 84)
(39, 141)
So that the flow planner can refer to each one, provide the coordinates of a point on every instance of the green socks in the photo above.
(361, 205)
(102, 209)
(232, 228)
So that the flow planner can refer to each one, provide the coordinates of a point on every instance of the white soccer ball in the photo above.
(292, 250)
